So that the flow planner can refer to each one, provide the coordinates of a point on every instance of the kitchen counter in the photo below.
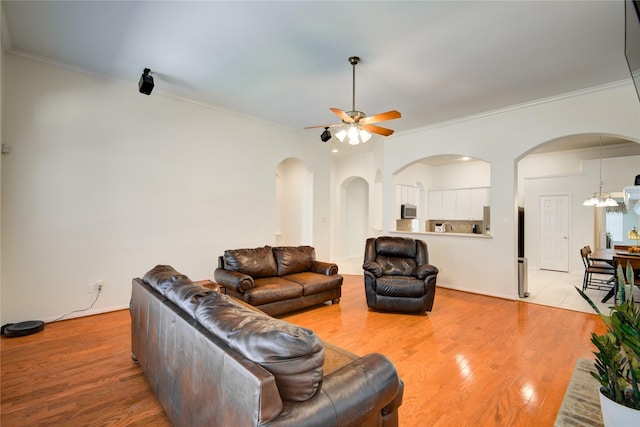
(446, 234)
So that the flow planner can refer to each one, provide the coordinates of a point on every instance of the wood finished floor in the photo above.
(473, 360)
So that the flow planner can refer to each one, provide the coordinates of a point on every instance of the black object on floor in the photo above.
(22, 329)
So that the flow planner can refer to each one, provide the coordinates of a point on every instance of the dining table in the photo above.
(615, 257)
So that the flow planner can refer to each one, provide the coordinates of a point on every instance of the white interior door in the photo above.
(554, 233)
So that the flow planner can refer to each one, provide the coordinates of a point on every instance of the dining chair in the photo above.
(597, 281)
(596, 263)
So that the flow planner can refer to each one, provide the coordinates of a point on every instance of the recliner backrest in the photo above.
(397, 256)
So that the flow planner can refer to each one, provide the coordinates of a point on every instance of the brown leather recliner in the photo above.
(398, 276)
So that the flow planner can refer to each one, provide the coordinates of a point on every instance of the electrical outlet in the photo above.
(94, 288)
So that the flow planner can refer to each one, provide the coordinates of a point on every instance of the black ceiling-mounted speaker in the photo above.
(145, 85)
(326, 135)
(22, 329)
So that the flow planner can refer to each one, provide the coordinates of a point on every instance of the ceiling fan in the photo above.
(359, 126)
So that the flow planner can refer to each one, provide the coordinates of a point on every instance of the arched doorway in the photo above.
(354, 217)
(294, 204)
(570, 167)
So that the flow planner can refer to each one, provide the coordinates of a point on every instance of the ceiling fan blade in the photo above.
(389, 115)
(377, 129)
(324, 126)
(344, 116)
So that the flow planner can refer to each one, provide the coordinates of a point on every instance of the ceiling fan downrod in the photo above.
(353, 60)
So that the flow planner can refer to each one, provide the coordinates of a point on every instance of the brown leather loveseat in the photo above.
(215, 361)
(278, 279)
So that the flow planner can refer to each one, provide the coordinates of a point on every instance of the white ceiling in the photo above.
(286, 61)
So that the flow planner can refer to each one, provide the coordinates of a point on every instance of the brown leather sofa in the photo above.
(278, 279)
(398, 276)
(213, 360)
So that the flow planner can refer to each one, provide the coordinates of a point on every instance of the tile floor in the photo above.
(556, 289)
(546, 287)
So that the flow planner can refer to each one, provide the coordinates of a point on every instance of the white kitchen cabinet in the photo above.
(449, 202)
(435, 204)
(442, 204)
(463, 204)
(480, 197)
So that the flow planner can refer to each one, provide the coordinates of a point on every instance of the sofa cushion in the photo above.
(291, 259)
(187, 296)
(294, 355)
(161, 276)
(270, 289)
(314, 283)
(258, 262)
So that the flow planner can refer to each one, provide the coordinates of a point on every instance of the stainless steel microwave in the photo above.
(408, 211)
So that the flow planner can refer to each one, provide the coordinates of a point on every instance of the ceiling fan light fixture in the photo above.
(354, 137)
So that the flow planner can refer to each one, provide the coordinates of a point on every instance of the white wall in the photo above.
(471, 174)
(103, 183)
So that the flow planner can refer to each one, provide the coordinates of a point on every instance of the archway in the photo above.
(452, 188)
(294, 203)
(354, 202)
(571, 166)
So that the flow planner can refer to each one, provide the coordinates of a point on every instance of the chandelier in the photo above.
(600, 199)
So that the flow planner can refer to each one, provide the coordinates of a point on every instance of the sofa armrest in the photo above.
(367, 385)
(326, 268)
(425, 270)
(373, 268)
(364, 390)
(234, 280)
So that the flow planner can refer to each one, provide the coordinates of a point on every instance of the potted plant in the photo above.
(618, 357)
